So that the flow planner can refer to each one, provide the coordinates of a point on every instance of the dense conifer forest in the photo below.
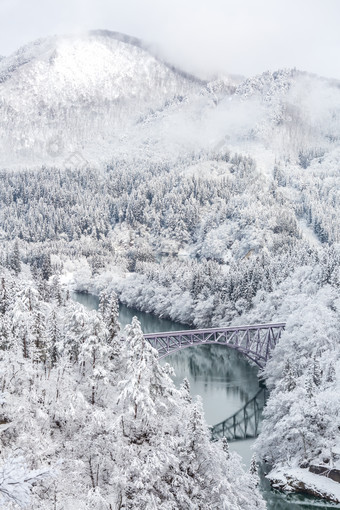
(211, 204)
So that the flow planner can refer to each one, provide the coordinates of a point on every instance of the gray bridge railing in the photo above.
(255, 341)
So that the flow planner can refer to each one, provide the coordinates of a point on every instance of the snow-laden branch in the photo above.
(16, 481)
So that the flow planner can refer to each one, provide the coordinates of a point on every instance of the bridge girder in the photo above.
(254, 341)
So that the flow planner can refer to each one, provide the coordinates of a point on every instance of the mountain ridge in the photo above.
(104, 94)
(19, 55)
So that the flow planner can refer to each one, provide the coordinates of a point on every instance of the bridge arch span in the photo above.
(254, 341)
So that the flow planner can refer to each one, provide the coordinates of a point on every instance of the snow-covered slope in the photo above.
(301, 110)
(94, 68)
(206, 234)
(64, 90)
(103, 95)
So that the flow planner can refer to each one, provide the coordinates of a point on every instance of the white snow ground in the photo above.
(321, 485)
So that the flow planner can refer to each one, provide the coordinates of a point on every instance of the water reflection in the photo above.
(90, 301)
(221, 376)
(149, 323)
(225, 381)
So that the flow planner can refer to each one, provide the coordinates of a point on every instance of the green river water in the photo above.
(223, 379)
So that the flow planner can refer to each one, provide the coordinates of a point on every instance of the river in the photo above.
(223, 379)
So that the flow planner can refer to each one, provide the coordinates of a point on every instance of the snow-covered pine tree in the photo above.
(196, 459)
(46, 268)
(39, 349)
(77, 330)
(15, 262)
(185, 391)
(289, 380)
(95, 355)
(225, 447)
(54, 337)
(148, 408)
(253, 470)
(56, 290)
(309, 382)
(317, 373)
(103, 303)
(4, 298)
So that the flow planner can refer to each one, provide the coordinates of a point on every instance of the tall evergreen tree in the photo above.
(111, 319)
(253, 470)
(46, 268)
(15, 262)
(4, 298)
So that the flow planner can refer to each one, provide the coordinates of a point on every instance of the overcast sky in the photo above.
(203, 36)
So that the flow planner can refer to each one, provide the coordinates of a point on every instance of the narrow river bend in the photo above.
(224, 380)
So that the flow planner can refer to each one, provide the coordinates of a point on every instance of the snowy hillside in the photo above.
(57, 93)
(216, 204)
(103, 95)
(302, 111)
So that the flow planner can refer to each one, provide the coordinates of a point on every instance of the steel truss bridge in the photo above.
(256, 342)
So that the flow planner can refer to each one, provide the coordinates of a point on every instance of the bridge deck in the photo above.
(215, 330)
(256, 341)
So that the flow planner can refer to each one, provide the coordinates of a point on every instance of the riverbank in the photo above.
(202, 378)
(222, 377)
(303, 481)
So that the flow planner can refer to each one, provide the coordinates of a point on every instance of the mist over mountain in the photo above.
(70, 89)
(210, 203)
(69, 94)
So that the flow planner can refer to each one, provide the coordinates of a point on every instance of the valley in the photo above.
(201, 203)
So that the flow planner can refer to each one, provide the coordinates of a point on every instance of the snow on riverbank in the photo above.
(77, 276)
(302, 480)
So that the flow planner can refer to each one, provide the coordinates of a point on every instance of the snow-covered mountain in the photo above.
(219, 205)
(103, 95)
(64, 90)
(302, 110)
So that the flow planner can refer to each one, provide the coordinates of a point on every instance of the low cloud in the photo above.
(219, 36)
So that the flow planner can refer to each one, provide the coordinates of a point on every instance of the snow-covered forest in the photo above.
(207, 203)
(89, 421)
